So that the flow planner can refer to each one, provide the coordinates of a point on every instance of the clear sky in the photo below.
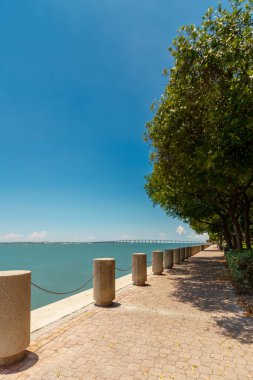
(77, 78)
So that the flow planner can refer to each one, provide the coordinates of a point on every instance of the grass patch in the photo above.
(240, 264)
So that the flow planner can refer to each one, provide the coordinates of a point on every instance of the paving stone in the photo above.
(185, 325)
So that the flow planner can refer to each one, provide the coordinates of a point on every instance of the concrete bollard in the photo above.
(168, 258)
(139, 268)
(176, 256)
(15, 306)
(181, 256)
(104, 281)
(157, 262)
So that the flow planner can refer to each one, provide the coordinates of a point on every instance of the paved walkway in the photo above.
(185, 324)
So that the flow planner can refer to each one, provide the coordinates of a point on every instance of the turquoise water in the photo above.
(64, 267)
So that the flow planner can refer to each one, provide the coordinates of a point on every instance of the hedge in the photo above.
(240, 264)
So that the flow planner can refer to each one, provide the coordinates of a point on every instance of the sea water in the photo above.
(62, 267)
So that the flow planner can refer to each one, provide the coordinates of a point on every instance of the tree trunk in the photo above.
(227, 235)
(228, 238)
(247, 228)
(234, 219)
(234, 241)
(238, 232)
(246, 220)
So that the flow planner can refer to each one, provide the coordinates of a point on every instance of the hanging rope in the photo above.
(124, 270)
(62, 293)
(81, 287)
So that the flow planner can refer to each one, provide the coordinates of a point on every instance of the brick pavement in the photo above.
(185, 324)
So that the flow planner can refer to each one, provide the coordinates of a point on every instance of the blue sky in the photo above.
(77, 78)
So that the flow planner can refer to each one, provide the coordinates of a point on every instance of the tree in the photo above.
(202, 131)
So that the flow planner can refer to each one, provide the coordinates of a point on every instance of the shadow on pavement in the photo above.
(203, 284)
(29, 360)
(237, 327)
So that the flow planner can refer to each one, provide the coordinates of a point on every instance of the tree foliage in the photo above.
(202, 132)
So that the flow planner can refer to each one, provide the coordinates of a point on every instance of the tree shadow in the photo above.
(175, 271)
(204, 285)
(28, 361)
(238, 327)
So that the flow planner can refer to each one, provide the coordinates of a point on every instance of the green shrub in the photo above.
(241, 267)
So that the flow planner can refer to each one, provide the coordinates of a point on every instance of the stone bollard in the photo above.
(139, 268)
(168, 258)
(181, 256)
(157, 262)
(104, 281)
(176, 256)
(15, 306)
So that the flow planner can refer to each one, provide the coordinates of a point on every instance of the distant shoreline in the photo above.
(144, 241)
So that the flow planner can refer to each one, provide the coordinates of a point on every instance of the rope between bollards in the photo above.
(62, 293)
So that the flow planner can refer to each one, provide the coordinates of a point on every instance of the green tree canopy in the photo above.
(202, 131)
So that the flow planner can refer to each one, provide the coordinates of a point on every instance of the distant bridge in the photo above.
(146, 241)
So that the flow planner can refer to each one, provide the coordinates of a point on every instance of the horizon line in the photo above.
(104, 241)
